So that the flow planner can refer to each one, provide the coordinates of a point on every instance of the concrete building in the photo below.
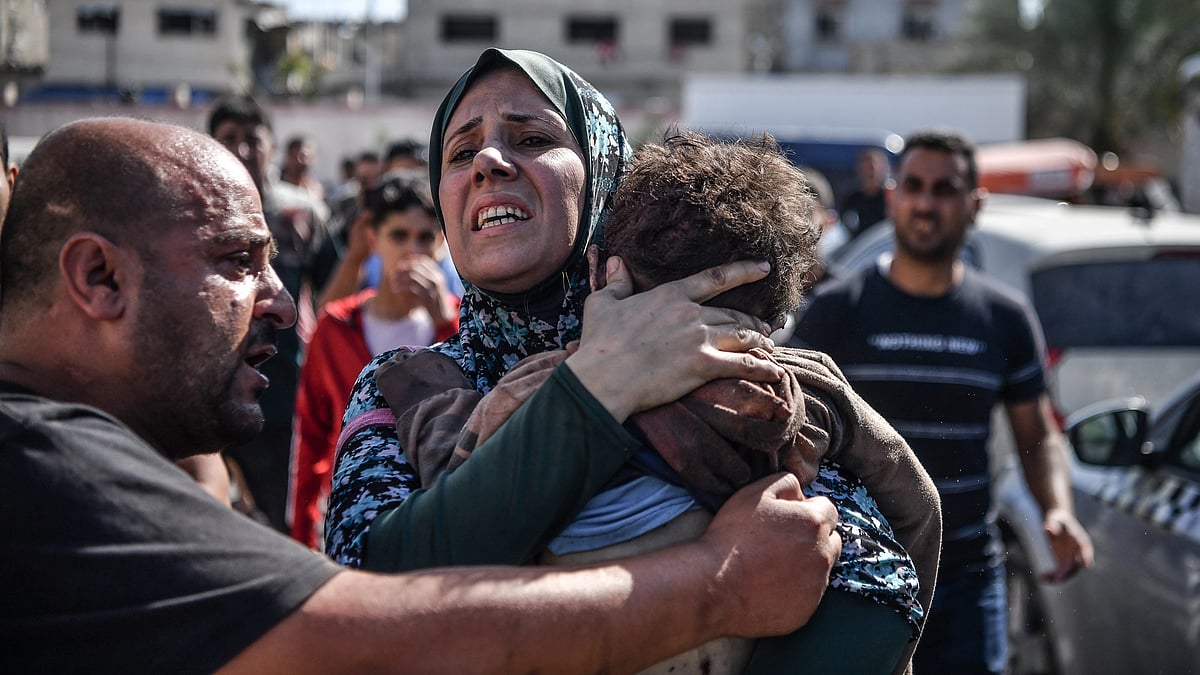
(863, 36)
(24, 34)
(24, 46)
(633, 50)
(638, 50)
(357, 61)
(155, 47)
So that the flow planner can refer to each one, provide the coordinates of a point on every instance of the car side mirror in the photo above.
(1110, 438)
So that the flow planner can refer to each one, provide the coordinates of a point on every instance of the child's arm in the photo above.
(439, 431)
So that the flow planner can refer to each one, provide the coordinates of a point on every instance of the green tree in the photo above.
(1104, 72)
(299, 74)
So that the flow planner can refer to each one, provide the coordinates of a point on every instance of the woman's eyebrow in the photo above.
(470, 124)
(520, 117)
(510, 117)
(552, 121)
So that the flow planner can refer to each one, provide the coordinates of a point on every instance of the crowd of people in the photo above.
(511, 396)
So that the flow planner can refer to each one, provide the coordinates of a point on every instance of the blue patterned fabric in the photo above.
(872, 563)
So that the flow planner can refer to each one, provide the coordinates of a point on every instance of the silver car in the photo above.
(1136, 483)
(1118, 296)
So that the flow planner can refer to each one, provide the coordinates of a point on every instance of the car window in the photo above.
(1187, 437)
(1120, 304)
(1189, 457)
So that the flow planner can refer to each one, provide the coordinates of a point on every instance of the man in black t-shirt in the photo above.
(138, 303)
(934, 347)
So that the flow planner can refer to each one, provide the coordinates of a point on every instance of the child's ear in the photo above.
(596, 274)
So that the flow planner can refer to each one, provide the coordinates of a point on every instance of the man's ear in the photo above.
(11, 175)
(978, 196)
(96, 275)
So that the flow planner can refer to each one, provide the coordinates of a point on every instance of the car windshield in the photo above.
(1120, 304)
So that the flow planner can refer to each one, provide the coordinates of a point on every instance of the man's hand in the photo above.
(640, 351)
(758, 570)
(775, 549)
(1070, 543)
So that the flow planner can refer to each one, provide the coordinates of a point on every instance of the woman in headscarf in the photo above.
(525, 156)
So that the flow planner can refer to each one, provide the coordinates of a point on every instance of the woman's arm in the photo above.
(520, 487)
(527, 481)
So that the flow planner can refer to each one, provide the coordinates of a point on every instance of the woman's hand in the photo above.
(642, 350)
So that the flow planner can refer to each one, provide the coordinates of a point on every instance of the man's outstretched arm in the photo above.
(760, 569)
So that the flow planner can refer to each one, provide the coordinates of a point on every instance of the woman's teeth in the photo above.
(499, 215)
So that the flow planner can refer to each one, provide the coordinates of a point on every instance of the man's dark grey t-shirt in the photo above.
(114, 560)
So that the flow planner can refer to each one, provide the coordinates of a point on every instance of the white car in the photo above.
(1118, 295)
(1136, 483)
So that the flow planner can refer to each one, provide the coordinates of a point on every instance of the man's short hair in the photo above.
(237, 108)
(945, 141)
(406, 148)
(398, 192)
(295, 142)
(4, 145)
(693, 202)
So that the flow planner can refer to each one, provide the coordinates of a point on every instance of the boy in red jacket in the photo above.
(411, 306)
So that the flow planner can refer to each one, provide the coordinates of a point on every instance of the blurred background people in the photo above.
(410, 306)
(867, 204)
(300, 154)
(406, 153)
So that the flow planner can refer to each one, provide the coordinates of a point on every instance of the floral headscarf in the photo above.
(497, 330)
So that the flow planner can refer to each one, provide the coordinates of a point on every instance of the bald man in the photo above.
(138, 305)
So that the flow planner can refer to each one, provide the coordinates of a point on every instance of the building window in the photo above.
(827, 22)
(591, 30)
(918, 23)
(468, 29)
(690, 32)
(183, 21)
(101, 19)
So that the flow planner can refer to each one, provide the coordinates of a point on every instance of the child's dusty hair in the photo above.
(695, 201)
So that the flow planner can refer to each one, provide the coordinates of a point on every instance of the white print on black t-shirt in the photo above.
(923, 342)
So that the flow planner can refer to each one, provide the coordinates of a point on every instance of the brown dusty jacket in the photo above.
(720, 437)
